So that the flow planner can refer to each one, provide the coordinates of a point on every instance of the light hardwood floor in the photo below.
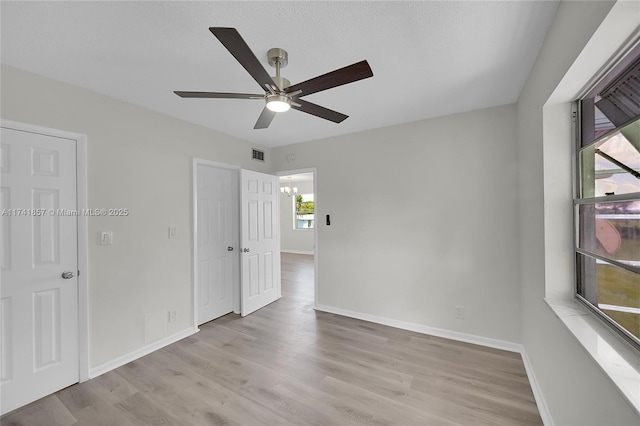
(289, 365)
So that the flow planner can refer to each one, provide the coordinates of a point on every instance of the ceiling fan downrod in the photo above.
(279, 58)
(279, 100)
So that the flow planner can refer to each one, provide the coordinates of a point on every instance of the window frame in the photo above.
(294, 213)
(610, 74)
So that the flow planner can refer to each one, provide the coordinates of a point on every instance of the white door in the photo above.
(217, 240)
(260, 241)
(39, 308)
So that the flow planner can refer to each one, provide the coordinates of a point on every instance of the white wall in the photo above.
(140, 160)
(575, 389)
(431, 211)
(294, 241)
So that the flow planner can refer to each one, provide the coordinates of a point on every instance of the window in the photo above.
(303, 209)
(607, 205)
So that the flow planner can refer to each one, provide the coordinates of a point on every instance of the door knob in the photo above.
(67, 275)
(229, 248)
(246, 250)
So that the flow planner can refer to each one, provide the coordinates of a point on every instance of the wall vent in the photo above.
(258, 155)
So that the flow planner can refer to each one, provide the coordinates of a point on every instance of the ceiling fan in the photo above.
(279, 95)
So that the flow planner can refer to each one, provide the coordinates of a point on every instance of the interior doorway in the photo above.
(298, 217)
(236, 240)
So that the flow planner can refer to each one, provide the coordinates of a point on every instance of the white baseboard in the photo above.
(462, 337)
(537, 392)
(419, 328)
(138, 353)
(297, 251)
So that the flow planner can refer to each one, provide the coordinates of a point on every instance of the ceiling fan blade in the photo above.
(218, 95)
(348, 74)
(265, 119)
(319, 111)
(231, 39)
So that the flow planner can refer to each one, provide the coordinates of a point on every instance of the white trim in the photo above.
(82, 224)
(32, 128)
(419, 328)
(297, 251)
(316, 280)
(215, 164)
(194, 242)
(616, 358)
(543, 408)
(139, 353)
(83, 259)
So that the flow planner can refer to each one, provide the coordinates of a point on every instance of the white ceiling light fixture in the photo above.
(289, 190)
(278, 103)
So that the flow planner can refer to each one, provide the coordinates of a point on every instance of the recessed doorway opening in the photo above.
(298, 224)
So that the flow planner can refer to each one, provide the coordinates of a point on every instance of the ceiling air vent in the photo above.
(258, 155)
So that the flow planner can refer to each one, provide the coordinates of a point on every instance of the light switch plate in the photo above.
(106, 238)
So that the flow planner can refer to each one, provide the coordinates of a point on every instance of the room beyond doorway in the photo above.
(297, 208)
(298, 218)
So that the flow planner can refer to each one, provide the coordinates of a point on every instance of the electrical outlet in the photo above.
(460, 312)
(172, 316)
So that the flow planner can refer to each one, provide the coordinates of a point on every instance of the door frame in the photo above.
(83, 233)
(314, 171)
(194, 247)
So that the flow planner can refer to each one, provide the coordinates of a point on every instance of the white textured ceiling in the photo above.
(428, 58)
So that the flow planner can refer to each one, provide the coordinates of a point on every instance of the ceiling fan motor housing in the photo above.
(278, 55)
(281, 82)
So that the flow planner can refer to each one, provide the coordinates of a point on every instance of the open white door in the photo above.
(39, 297)
(216, 240)
(260, 241)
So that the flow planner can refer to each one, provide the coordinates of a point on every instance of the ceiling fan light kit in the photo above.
(280, 95)
(278, 103)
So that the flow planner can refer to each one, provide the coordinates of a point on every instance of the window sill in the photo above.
(616, 358)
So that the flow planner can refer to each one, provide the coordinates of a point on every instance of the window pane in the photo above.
(594, 123)
(613, 101)
(304, 211)
(611, 230)
(612, 166)
(615, 291)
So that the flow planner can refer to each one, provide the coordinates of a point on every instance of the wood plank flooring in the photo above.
(289, 365)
